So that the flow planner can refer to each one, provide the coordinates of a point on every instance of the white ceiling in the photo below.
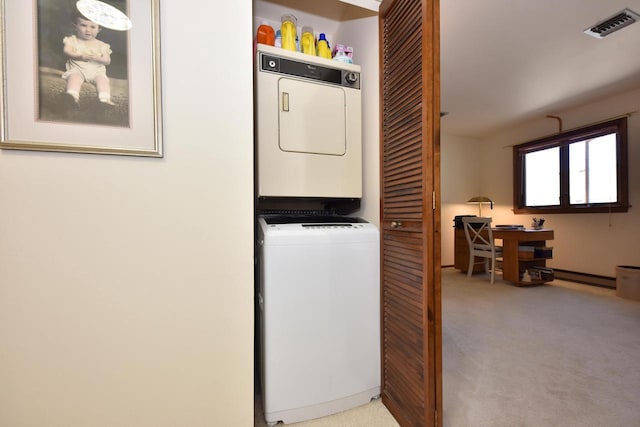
(507, 61)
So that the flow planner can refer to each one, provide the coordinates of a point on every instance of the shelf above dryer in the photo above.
(373, 5)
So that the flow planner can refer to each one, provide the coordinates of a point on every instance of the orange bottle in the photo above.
(266, 35)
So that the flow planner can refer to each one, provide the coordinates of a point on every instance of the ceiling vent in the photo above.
(613, 24)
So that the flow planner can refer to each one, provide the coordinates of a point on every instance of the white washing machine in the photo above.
(308, 126)
(319, 301)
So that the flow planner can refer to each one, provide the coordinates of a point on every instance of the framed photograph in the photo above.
(81, 76)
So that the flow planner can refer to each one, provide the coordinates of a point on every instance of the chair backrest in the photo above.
(478, 233)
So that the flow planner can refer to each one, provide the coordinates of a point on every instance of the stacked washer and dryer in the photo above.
(318, 268)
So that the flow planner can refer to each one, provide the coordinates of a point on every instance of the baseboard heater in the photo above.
(587, 279)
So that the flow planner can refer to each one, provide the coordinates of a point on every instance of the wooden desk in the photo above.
(513, 266)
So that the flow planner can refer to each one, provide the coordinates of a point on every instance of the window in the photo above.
(583, 170)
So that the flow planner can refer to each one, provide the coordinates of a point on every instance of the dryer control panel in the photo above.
(279, 65)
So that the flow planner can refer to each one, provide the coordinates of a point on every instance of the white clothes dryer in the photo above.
(308, 126)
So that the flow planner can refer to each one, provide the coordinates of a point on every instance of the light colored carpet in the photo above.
(557, 355)
(560, 355)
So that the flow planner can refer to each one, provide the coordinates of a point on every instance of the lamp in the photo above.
(480, 200)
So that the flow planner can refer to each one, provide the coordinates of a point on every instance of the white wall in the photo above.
(587, 243)
(126, 284)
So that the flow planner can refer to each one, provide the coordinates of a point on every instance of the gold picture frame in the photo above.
(38, 111)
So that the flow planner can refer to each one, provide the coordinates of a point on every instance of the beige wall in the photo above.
(461, 175)
(362, 35)
(587, 243)
(126, 284)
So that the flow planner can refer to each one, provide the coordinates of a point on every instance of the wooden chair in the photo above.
(481, 244)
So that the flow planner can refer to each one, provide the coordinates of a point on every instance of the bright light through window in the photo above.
(542, 170)
(581, 170)
(592, 171)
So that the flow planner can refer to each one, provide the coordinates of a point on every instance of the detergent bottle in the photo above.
(324, 51)
(266, 35)
(308, 42)
(289, 32)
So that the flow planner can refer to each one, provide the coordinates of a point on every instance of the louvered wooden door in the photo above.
(410, 219)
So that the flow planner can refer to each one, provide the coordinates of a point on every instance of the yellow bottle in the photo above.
(289, 32)
(324, 51)
(308, 42)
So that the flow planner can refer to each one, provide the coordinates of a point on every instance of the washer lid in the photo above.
(311, 219)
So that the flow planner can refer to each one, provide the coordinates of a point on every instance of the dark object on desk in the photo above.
(457, 221)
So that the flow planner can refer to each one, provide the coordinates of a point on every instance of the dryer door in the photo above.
(312, 118)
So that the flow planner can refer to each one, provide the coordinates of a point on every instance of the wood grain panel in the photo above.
(409, 91)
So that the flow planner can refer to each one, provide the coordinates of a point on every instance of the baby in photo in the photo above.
(87, 58)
